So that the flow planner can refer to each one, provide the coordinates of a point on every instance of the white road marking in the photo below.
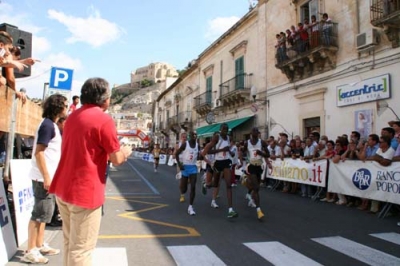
(110, 256)
(391, 237)
(199, 255)
(358, 251)
(279, 254)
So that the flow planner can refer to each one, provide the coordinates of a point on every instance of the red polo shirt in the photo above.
(89, 136)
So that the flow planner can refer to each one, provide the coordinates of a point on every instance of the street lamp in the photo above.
(382, 105)
(253, 93)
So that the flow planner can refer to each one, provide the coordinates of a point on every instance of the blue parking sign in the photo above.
(61, 78)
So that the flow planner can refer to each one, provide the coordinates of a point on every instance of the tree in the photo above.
(146, 83)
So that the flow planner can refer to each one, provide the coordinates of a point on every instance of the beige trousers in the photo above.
(80, 230)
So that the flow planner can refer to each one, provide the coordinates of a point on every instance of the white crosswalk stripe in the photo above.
(390, 237)
(358, 251)
(194, 256)
(110, 256)
(279, 254)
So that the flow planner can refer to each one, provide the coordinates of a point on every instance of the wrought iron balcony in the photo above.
(236, 90)
(173, 124)
(304, 58)
(185, 117)
(172, 120)
(386, 14)
(185, 120)
(162, 127)
(203, 103)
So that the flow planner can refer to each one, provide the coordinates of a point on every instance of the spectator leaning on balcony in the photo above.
(314, 41)
(326, 24)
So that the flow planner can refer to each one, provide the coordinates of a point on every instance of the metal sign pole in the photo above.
(10, 140)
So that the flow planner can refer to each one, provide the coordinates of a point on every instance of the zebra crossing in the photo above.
(279, 254)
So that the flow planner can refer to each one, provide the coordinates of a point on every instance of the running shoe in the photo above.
(251, 204)
(204, 189)
(214, 204)
(248, 196)
(182, 198)
(34, 257)
(178, 176)
(191, 210)
(48, 251)
(260, 214)
(232, 214)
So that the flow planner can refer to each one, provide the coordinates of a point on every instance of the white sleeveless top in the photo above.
(254, 158)
(189, 155)
(223, 155)
(210, 157)
(52, 153)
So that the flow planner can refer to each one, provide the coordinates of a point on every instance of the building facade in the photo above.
(154, 72)
(339, 75)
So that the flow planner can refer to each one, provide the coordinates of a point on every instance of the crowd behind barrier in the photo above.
(366, 180)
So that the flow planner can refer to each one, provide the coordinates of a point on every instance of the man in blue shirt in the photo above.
(370, 148)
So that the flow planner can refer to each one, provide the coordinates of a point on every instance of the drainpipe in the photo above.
(358, 16)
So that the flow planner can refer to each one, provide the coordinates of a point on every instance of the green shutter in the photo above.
(239, 73)
(209, 90)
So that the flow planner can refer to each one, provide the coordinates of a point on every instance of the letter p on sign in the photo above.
(61, 78)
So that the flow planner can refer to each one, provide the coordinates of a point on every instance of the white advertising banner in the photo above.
(368, 90)
(298, 171)
(367, 180)
(163, 159)
(149, 157)
(23, 196)
(8, 247)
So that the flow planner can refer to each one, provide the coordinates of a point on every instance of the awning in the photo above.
(209, 130)
(205, 131)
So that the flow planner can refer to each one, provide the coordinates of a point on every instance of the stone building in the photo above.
(154, 72)
(338, 76)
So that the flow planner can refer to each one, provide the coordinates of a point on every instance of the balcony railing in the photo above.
(185, 117)
(301, 57)
(203, 99)
(381, 10)
(238, 83)
(325, 36)
(161, 126)
(172, 120)
(386, 14)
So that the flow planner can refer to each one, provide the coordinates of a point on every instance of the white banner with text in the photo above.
(299, 171)
(23, 196)
(367, 180)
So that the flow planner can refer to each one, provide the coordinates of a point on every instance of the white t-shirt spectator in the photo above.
(49, 135)
(388, 155)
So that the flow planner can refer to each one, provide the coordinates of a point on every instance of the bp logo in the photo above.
(362, 179)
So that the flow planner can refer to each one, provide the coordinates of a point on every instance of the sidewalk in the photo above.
(53, 236)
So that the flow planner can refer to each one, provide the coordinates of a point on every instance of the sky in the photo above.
(110, 39)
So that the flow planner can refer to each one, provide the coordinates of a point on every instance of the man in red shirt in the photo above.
(79, 182)
(75, 102)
